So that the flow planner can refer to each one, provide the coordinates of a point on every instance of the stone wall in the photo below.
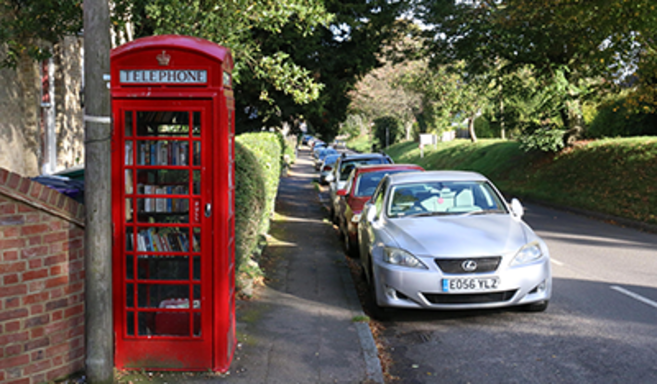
(41, 282)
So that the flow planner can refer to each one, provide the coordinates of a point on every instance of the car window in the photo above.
(347, 165)
(367, 182)
(447, 198)
(350, 181)
(378, 198)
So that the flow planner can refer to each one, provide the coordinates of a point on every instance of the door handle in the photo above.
(208, 210)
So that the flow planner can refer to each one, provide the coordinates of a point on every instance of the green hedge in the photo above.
(250, 202)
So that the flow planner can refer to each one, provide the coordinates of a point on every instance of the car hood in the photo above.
(458, 235)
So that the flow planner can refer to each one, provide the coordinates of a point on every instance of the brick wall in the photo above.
(41, 282)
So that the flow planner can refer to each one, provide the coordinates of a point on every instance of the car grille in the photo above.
(469, 298)
(484, 264)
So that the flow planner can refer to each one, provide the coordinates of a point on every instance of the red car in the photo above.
(360, 187)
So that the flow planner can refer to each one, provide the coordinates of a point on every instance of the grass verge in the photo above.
(612, 176)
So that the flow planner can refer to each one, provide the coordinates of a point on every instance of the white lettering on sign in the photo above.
(158, 76)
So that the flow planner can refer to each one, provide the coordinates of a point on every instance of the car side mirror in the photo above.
(371, 212)
(517, 208)
(342, 192)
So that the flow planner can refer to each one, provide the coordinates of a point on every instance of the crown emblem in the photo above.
(163, 58)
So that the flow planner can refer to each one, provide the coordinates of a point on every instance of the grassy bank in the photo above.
(612, 176)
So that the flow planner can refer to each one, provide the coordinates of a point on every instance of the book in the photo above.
(148, 201)
(160, 204)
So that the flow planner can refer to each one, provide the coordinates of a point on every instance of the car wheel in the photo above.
(376, 312)
(350, 248)
(537, 307)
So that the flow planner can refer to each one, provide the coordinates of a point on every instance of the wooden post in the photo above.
(97, 175)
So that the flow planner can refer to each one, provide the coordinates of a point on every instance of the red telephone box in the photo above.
(173, 204)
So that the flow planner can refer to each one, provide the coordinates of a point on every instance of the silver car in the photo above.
(448, 240)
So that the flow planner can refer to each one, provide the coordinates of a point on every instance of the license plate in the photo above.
(470, 285)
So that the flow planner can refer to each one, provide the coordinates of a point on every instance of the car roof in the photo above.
(410, 177)
(359, 156)
(386, 167)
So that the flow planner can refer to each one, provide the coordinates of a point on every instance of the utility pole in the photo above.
(97, 199)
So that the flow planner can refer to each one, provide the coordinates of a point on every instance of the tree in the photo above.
(29, 28)
(565, 42)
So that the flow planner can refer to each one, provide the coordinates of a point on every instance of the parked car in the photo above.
(448, 240)
(321, 154)
(361, 184)
(327, 167)
(338, 179)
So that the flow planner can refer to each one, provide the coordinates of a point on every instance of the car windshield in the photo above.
(367, 182)
(348, 165)
(444, 198)
(331, 159)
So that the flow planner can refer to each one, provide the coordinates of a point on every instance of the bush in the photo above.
(616, 120)
(388, 130)
(545, 140)
(266, 147)
(250, 203)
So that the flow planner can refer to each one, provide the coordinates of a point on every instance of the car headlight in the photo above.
(527, 254)
(402, 258)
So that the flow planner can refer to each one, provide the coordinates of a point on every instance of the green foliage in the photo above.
(586, 177)
(615, 119)
(361, 144)
(544, 140)
(387, 131)
(267, 149)
(250, 204)
(354, 125)
(28, 27)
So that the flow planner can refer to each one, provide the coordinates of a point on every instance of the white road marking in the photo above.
(557, 262)
(634, 296)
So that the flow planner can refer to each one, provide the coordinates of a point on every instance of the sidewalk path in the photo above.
(301, 326)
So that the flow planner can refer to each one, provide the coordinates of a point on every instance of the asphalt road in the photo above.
(600, 327)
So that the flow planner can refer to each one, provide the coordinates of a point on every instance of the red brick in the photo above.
(18, 266)
(13, 180)
(57, 315)
(12, 326)
(57, 350)
(56, 281)
(12, 302)
(37, 355)
(13, 314)
(36, 263)
(58, 338)
(10, 279)
(60, 372)
(55, 236)
(12, 243)
(13, 290)
(37, 367)
(36, 190)
(55, 259)
(74, 311)
(33, 275)
(8, 209)
(19, 381)
(24, 186)
(40, 250)
(52, 198)
(36, 298)
(14, 230)
(13, 350)
(14, 361)
(57, 304)
(4, 175)
(37, 332)
(76, 244)
(57, 293)
(34, 229)
(36, 286)
(36, 309)
(10, 255)
(13, 337)
(37, 321)
(38, 343)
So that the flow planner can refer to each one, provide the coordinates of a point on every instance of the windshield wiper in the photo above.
(482, 212)
(426, 214)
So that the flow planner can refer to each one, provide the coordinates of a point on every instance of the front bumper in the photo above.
(414, 288)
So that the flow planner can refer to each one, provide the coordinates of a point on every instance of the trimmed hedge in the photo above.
(250, 202)
(258, 159)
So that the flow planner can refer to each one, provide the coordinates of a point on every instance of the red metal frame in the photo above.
(194, 338)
